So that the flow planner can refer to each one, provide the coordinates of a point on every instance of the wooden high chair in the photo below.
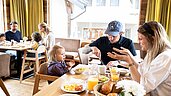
(42, 75)
(37, 60)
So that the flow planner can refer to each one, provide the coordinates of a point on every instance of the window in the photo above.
(93, 22)
(137, 4)
(114, 2)
(100, 2)
(89, 2)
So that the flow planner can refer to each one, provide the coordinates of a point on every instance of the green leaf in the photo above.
(121, 94)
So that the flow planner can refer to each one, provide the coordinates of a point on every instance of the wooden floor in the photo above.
(25, 88)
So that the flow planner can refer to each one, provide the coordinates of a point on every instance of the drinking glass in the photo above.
(101, 69)
(92, 81)
(93, 69)
(114, 73)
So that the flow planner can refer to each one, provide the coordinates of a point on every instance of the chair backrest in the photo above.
(43, 68)
(4, 64)
(42, 75)
(70, 45)
(41, 49)
(83, 57)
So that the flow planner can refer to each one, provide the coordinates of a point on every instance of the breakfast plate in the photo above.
(73, 87)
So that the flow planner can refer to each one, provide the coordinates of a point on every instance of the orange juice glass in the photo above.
(92, 81)
(113, 70)
(115, 76)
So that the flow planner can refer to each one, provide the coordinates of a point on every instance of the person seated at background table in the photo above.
(114, 39)
(36, 42)
(154, 73)
(2, 38)
(49, 40)
(13, 33)
(57, 65)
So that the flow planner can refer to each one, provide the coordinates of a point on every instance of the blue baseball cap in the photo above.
(114, 28)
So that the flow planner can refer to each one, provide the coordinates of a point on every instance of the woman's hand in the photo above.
(125, 57)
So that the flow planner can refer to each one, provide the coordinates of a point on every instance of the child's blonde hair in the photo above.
(53, 51)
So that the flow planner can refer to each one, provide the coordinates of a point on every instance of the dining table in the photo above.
(21, 49)
(55, 88)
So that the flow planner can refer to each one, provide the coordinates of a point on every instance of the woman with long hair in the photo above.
(154, 73)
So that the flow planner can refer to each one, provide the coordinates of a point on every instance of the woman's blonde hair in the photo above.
(53, 51)
(156, 37)
(43, 25)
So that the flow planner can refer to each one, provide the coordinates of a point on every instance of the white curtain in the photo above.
(1, 17)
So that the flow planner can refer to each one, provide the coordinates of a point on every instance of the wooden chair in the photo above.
(71, 47)
(83, 57)
(37, 60)
(42, 75)
(4, 88)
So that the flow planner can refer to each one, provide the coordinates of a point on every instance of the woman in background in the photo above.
(42, 28)
(49, 40)
(154, 73)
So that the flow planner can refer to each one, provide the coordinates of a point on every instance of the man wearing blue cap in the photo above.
(114, 39)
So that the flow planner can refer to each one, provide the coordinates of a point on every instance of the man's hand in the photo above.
(96, 51)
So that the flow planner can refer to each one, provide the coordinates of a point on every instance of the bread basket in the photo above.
(98, 87)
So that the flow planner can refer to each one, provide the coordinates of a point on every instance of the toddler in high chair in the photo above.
(57, 65)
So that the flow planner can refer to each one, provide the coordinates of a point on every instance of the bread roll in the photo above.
(112, 94)
(106, 88)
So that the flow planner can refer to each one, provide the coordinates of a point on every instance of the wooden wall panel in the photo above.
(143, 7)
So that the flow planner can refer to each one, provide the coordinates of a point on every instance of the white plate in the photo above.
(62, 87)
(69, 95)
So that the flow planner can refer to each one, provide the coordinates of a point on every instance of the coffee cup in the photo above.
(101, 69)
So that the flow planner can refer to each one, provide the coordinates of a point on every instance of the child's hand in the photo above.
(71, 63)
